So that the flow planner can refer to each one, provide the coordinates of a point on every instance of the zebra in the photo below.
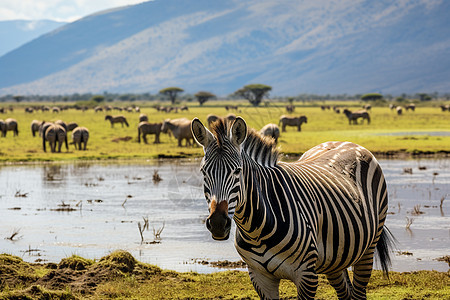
(318, 215)
(354, 116)
(116, 119)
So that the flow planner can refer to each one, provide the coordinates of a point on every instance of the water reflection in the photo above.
(91, 209)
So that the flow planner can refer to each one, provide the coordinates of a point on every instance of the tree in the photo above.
(18, 98)
(254, 93)
(171, 92)
(202, 96)
(424, 97)
(98, 98)
(371, 97)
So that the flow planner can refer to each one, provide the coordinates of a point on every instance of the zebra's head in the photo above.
(221, 168)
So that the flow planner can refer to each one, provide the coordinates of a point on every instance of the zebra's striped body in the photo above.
(321, 214)
(55, 133)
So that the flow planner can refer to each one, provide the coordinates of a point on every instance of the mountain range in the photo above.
(320, 47)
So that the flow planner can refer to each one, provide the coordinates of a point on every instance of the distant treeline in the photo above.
(130, 97)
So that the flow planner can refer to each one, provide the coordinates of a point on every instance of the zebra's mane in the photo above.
(261, 149)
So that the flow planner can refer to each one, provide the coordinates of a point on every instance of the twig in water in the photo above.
(434, 176)
(141, 231)
(157, 233)
(145, 223)
(442, 204)
(417, 210)
(156, 177)
(408, 223)
(14, 236)
(19, 194)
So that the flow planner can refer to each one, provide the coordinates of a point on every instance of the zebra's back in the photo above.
(344, 192)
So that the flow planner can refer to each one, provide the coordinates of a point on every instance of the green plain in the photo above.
(416, 132)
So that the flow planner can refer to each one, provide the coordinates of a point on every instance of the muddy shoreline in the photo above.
(400, 154)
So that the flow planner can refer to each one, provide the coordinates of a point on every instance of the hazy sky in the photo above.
(58, 10)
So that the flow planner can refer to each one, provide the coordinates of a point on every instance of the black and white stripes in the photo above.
(320, 214)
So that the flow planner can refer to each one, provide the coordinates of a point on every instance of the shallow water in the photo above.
(109, 200)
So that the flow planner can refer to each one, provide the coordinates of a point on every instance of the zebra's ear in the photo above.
(201, 135)
(238, 131)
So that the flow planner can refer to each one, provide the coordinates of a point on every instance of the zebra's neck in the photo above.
(254, 215)
(261, 150)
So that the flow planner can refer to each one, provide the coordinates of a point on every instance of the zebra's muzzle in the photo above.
(218, 222)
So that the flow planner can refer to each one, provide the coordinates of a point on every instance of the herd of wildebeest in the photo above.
(56, 133)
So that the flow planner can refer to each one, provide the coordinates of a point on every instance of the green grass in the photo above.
(322, 126)
(119, 276)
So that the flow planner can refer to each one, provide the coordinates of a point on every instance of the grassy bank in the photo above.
(120, 276)
(387, 132)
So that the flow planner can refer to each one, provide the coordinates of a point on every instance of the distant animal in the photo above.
(290, 108)
(35, 126)
(392, 106)
(116, 119)
(98, 108)
(2, 127)
(231, 107)
(411, 106)
(184, 108)
(80, 135)
(367, 107)
(145, 128)
(271, 130)
(29, 110)
(56, 109)
(71, 126)
(43, 127)
(321, 214)
(292, 121)
(10, 125)
(354, 116)
(445, 107)
(180, 128)
(399, 110)
(143, 118)
(64, 125)
(54, 134)
(336, 109)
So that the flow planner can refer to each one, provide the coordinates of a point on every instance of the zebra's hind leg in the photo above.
(361, 274)
(266, 287)
(307, 284)
(340, 281)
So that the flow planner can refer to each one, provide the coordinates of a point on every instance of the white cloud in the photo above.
(58, 10)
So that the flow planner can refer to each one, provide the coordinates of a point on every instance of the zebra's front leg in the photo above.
(266, 287)
(340, 281)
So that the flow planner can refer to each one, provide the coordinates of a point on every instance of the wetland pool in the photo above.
(93, 208)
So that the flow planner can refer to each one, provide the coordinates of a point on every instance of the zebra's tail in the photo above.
(385, 244)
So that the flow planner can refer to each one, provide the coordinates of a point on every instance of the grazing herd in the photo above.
(56, 134)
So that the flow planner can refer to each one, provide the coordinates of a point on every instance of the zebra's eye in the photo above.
(237, 171)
